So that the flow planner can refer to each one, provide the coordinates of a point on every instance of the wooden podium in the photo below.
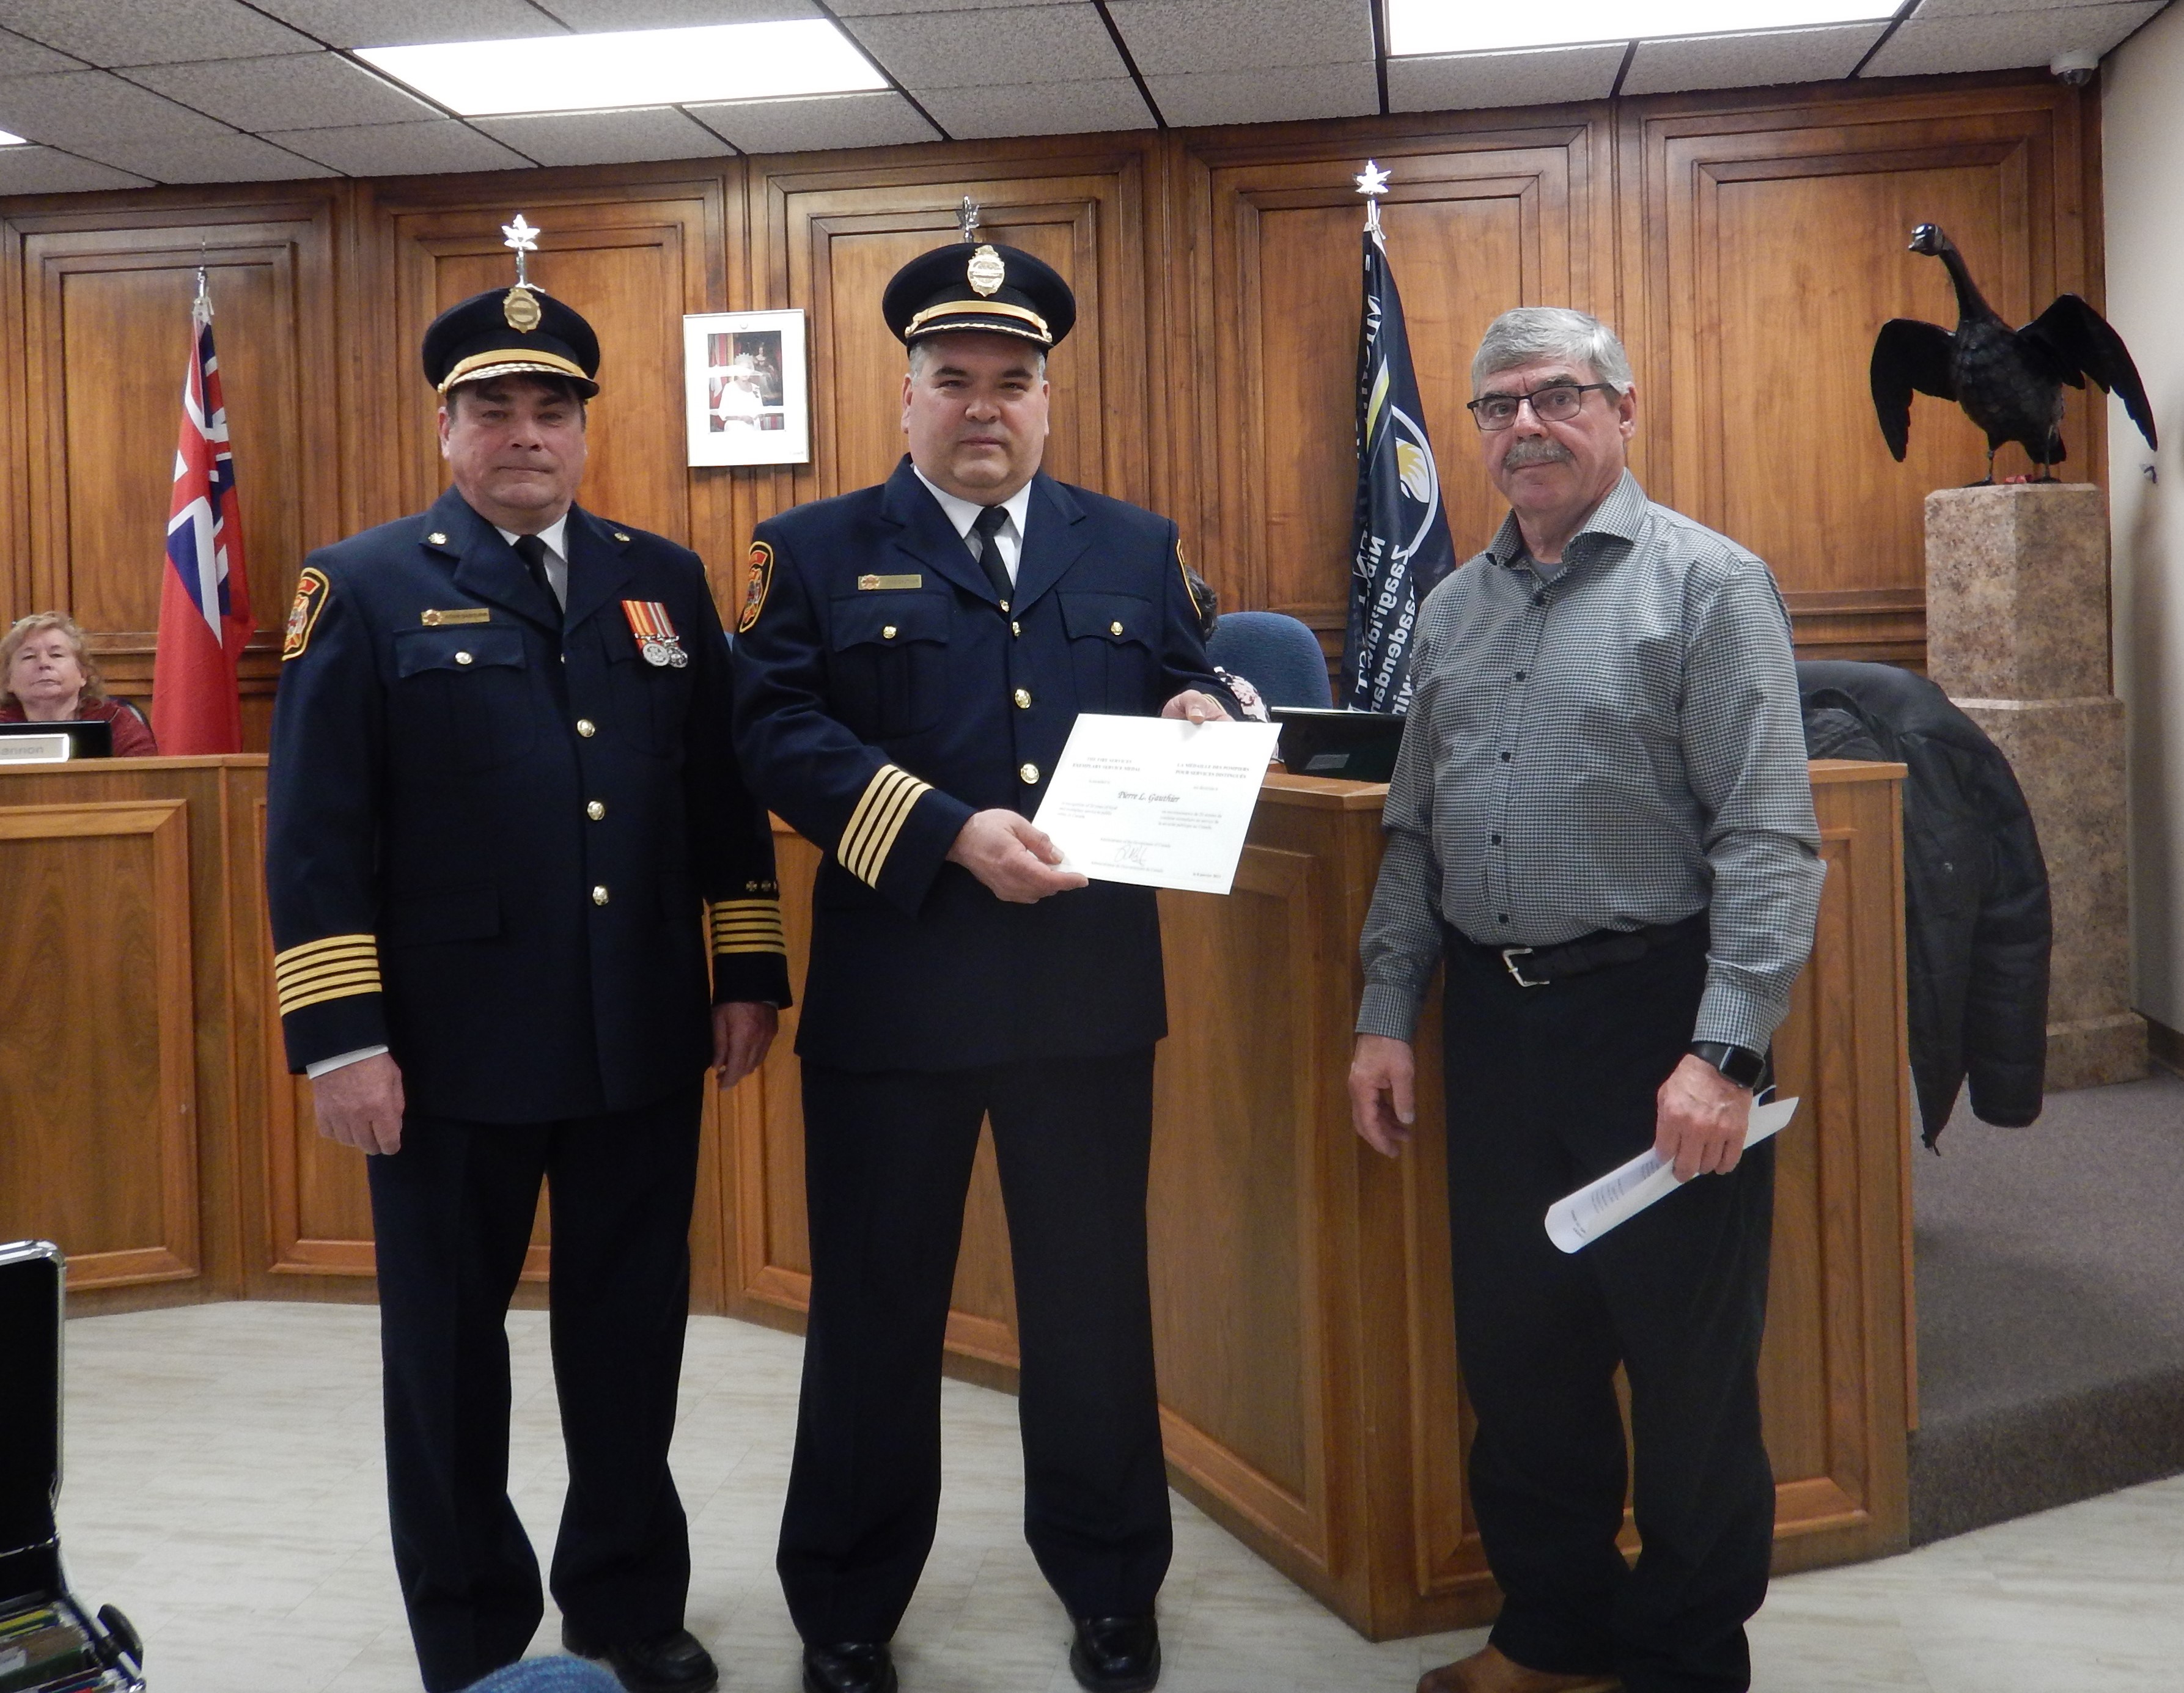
(1302, 1300)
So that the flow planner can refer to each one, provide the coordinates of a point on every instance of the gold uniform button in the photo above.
(586, 727)
(1114, 628)
(596, 810)
(1005, 605)
(1015, 628)
(462, 658)
(618, 536)
(437, 538)
(599, 894)
(1023, 699)
(888, 633)
(1029, 772)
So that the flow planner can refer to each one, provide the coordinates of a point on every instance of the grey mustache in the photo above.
(1524, 453)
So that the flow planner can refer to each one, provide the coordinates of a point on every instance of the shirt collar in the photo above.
(963, 513)
(1619, 516)
(555, 535)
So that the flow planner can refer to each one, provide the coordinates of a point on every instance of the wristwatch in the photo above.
(1740, 1064)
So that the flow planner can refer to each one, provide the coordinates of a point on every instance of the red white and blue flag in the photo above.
(204, 605)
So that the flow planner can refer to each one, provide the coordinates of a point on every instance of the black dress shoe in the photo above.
(1116, 1654)
(854, 1667)
(672, 1662)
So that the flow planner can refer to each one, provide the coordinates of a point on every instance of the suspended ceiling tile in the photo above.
(308, 91)
(2000, 41)
(401, 149)
(874, 8)
(606, 137)
(212, 158)
(1044, 109)
(808, 126)
(151, 32)
(1752, 61)
(406, 23)
(20, 56)
(1537, 76)
(78, 108)
(675, 15)
(1257, 96)
(1169, 38)
(1930, 10)
(41, 171)
(1016, 48)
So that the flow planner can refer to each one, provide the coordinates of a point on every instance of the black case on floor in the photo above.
(48, 1644)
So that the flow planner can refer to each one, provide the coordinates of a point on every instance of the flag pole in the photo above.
(1371, 182)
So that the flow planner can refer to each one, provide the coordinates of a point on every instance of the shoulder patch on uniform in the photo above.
(1190, 587)
(312, 589)
(755, 585)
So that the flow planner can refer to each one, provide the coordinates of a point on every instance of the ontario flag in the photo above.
(204, 604)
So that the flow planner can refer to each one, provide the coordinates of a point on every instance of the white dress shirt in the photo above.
(963, 513)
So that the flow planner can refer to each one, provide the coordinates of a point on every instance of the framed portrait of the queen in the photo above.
(746, 398)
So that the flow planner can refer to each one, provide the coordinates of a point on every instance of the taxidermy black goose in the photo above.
(2009, 382)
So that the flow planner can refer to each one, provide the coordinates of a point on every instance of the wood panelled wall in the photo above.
(1747, 244)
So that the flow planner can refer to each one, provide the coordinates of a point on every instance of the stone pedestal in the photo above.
(2017, 634)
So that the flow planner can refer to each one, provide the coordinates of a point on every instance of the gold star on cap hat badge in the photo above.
(518, 307)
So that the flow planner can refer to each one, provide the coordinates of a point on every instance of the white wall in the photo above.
(2143, 152)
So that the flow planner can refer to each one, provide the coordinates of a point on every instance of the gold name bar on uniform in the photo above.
(878, 818)
(460, 614)
(868, 583)
(333, 968)
(748, 926)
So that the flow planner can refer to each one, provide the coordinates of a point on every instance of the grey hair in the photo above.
(1529, 334)
(922, 350)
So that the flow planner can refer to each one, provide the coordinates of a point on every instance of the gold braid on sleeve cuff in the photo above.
(334, 968)
(878, 818)
(748, 926)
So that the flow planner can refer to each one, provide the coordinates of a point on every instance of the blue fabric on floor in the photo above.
(548, 1675)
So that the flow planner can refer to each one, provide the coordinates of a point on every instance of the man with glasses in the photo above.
(1600, 818)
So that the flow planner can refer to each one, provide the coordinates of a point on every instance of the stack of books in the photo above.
(44, 1648)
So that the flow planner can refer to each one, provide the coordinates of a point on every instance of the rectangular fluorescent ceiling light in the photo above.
(625, 68)
(1423, 26)
(6, 140)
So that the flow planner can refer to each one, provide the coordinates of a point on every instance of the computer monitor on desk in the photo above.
(55, 743)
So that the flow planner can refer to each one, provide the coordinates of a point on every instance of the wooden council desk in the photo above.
(1300, 1289)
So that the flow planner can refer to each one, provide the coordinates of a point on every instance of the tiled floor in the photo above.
(224, 1488)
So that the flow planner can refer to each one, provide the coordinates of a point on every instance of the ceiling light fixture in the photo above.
(625, 68)
(6, 140)
(1437, 26)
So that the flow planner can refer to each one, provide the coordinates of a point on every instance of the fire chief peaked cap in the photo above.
(521, 331)
(981, 287)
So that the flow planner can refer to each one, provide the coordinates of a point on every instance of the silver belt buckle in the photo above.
(1510, 954)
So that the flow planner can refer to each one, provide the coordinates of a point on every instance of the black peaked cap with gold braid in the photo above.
(521, 331)
(979, 286)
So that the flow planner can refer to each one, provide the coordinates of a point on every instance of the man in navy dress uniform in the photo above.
(505, 821)
(910, 659)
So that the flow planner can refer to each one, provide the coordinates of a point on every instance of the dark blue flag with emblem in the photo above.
(1399, 545)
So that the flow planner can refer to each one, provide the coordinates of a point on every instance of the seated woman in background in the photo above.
(46, 675)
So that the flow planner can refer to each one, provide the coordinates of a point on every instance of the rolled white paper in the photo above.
(1584, 1216)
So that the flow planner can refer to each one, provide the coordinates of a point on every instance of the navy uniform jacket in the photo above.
(495, 840)
(883, 693)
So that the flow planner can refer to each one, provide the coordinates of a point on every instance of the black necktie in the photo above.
(532, 551)
(988, 551)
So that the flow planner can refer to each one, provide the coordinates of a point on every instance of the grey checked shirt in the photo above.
(1617, 746)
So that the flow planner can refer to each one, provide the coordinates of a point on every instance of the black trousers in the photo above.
(1549, 1087)
(887, 1161)
(452, 1211)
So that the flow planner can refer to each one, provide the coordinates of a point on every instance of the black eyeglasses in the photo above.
(1555, 403)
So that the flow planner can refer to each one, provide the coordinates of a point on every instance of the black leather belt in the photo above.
(1540, 966)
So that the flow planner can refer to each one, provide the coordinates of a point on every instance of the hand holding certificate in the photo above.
(1155, 800)
(1584, 1216)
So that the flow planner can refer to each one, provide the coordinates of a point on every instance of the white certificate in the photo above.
(1157, 801)
(1579, 1218)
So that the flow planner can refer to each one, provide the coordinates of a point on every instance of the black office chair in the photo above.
(47, 1644)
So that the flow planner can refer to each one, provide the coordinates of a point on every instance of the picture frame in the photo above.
(745, 388)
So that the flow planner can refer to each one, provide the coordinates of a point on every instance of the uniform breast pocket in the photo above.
(890, 661)
(1111, 648)
(651, 701)
(462, 696)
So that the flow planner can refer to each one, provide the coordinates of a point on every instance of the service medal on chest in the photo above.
(656, 639)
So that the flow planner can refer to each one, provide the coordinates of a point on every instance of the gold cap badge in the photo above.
(986, 272)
